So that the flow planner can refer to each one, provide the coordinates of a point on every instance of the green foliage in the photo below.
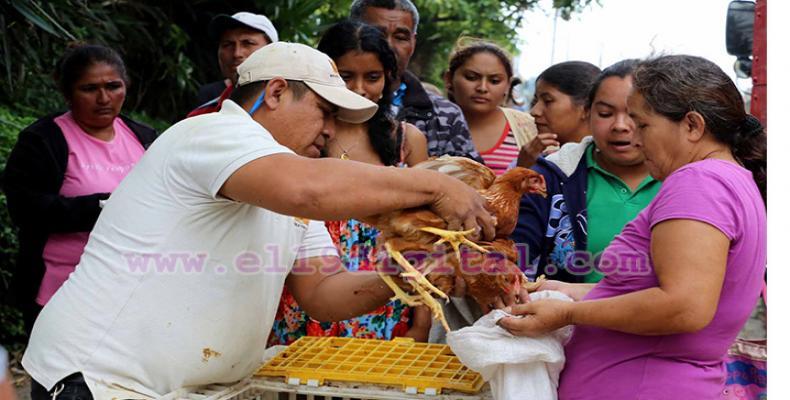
(169, 53)
(12, 327)
(36, 33)
(442, 22)
(10, 319)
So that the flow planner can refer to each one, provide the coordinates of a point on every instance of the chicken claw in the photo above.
(412, 301)
(454, 238)
(412, 272)
(419, 283)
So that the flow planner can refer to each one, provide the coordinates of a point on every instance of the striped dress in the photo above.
(499, 157)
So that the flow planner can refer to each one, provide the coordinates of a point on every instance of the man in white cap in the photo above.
(237, 36)
(180, 280)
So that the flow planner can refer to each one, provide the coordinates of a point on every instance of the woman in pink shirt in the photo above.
(64, 166)
(682, 278)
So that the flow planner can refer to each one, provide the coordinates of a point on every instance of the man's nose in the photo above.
(239, 52)
(329, 127)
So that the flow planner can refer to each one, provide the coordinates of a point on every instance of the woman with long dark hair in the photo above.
(367, 64)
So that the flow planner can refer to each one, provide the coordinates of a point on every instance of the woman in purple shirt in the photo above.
(681, 278)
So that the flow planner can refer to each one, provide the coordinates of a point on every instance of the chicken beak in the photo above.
(538, 185)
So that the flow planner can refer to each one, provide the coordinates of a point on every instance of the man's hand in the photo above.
(463, 208)
(529, 153)
(538, 317)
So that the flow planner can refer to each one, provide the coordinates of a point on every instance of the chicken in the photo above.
(486, 275)
(417, 229)
(503, 195)
(467, 171)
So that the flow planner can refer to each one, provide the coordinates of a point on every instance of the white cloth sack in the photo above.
(515, 367)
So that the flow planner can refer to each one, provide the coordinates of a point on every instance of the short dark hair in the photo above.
(250, 92)
(573, 78)
(673, 86)
(78, 58)
(358, 8)
(620, 69)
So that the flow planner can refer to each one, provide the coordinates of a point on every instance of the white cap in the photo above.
(223, 22)
(297, 62)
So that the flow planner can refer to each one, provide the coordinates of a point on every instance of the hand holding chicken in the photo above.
(488, 269)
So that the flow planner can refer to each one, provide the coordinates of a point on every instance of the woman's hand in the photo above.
(538, 317)
(529, 153)
(576, 291)
(506, 300)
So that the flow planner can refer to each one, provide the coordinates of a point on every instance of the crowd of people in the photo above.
(254, 205)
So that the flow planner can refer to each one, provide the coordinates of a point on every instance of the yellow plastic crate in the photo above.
(417, 367)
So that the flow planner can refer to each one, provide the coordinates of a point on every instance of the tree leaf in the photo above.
(33, 18)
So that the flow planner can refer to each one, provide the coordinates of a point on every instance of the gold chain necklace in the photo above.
(344, 155)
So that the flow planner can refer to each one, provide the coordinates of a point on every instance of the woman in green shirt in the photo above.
(595, 188)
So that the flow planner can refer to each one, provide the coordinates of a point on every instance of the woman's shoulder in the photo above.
(414, 146)
(719, 192)
(711, 173)
(413, 133)
(143, 131)
(45, 125)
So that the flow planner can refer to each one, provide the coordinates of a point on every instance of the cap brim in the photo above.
(222, 23)
(352, 107)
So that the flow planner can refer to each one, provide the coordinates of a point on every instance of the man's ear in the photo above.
(694, 125)
(275, 89)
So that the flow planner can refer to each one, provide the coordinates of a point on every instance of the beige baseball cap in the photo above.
(297, 62)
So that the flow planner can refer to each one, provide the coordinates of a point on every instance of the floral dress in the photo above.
(356, 243)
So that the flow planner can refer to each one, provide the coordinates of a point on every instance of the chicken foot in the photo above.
(454, 239)
(421, 285)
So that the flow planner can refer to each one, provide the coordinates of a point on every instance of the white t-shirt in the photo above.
(178, 286)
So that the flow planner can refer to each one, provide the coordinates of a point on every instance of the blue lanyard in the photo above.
(258, 103)
(397, 99)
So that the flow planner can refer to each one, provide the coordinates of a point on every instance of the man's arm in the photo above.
(333, 189)
(327, 292)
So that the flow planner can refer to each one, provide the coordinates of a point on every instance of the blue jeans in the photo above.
(72, 387)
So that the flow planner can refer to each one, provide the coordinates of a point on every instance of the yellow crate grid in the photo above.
(416, 367)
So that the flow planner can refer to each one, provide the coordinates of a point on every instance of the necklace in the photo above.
(344, 155)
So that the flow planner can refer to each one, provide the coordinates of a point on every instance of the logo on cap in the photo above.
(334, 67)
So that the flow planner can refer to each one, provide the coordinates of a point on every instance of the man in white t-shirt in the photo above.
(182, 274)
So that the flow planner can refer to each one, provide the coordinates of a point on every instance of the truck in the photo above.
(746, 40)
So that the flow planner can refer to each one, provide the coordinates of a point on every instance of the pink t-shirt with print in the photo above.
(94, 166)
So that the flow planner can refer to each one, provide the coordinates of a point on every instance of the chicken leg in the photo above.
(454, 239)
